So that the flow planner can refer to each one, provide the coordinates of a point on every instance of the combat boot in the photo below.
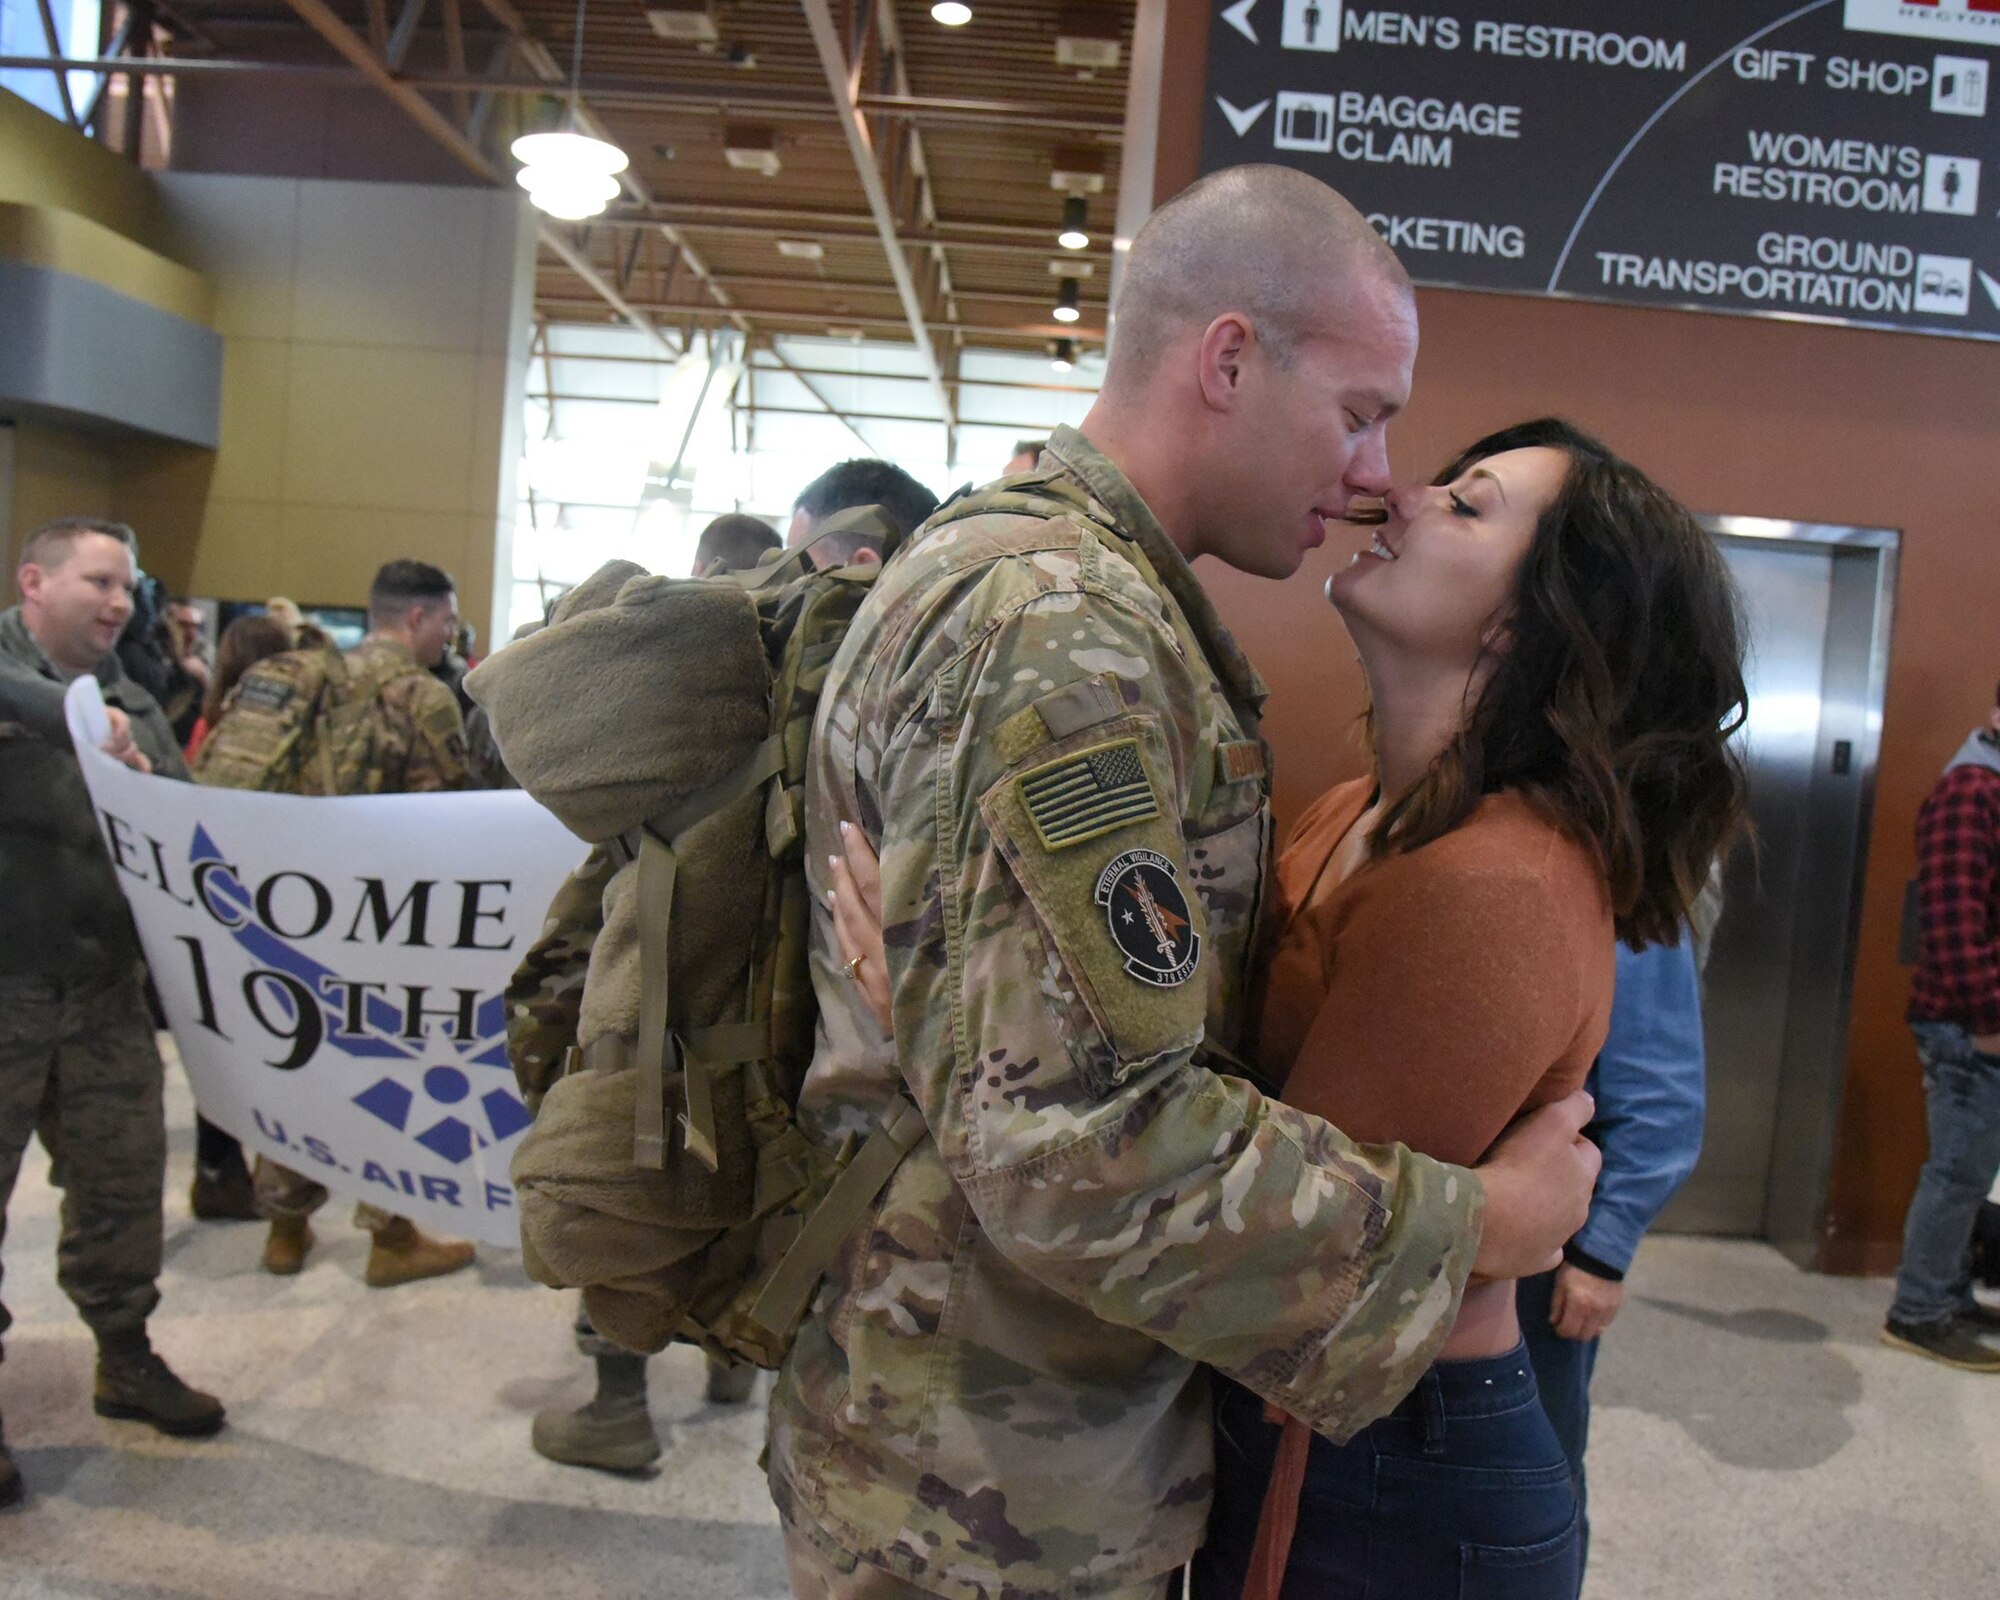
(135, 1385)
(285, 1251)
(10, 1475)
(223, 1194)
(730, 1383)
(614, 1432)
(402, 1253)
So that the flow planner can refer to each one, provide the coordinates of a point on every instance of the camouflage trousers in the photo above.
(816, 1575)
(281, 1192)
(79, 1068)
(593, 1344)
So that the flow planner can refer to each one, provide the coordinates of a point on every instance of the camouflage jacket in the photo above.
(416, 743)
(1052, 740)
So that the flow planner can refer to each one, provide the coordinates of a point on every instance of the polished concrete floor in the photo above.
(1752, 1439)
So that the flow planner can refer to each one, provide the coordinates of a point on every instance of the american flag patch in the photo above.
(1088, 794)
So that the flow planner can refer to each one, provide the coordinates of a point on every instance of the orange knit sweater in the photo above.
(1428, 998)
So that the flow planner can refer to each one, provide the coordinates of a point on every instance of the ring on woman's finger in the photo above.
(853, 968)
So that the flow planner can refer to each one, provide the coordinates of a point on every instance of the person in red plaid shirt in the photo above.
(1955, 1015)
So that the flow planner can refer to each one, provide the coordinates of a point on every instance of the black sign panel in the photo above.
(1836, 160)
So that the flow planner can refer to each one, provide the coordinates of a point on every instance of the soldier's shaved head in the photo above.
(1265, 338)
(1277, 245)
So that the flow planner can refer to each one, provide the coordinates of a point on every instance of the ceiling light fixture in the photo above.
(1067, 309)
(1075, 233)
(951, 13)
(569, 174)
(1062, 355)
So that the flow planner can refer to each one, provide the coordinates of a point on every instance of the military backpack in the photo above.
(667, 1178)
(300, 723)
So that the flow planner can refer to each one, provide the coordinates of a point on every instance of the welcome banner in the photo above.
(333, 969)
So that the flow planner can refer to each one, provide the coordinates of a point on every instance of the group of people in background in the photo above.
(1507, 908)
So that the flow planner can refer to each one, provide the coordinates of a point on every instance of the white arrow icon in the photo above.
(1242, 121)
(1986, 281)
(1238, 17)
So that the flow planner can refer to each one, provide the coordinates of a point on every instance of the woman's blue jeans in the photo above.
(1461, 1493)
(1962, 1108)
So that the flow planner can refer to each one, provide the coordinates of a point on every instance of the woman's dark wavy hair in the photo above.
(1611, 706)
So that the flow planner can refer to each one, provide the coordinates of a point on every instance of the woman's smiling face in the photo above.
(1438, 581)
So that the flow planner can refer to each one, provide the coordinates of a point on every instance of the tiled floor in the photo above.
(1752, 1439)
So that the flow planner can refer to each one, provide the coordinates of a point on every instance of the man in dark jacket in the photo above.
(77, 1059)
(1955, 1015)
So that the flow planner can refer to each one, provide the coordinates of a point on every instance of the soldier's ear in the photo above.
(1220, 357)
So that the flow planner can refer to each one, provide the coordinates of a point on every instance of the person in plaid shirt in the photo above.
(1955, 1015)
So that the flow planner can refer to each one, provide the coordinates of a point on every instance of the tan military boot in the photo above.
(285, 1251)
(403, 1253)
(11, 1490)
(613, 1433)
(135, 1385)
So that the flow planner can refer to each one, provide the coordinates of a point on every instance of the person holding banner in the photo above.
(78, 1065)
(372, 722)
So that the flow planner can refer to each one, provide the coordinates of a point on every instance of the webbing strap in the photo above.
(704, 1052)
(785, 1295)
(658, 867)
(766, 759)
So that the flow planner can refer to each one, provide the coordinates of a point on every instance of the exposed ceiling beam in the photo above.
(327, 23)
(854, 126)
(581, 265)
(1011, 297)
(621, 90)
(1037, 333)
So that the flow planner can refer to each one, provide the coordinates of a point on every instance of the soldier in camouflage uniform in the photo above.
(613, 1430)
(77, 1060)
(1042, 725)
(412, 741)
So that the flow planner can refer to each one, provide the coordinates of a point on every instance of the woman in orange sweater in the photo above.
(1553, 658)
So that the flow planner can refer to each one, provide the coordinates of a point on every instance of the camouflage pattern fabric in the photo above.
(316, 723)
(817, 1575)
(415, 738)
(79, 1067)
(406, 737)
(545, 995)
(1098, 1213)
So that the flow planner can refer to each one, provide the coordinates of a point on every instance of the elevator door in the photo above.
(1776, 990)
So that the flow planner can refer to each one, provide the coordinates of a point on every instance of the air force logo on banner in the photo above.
(443, 1079)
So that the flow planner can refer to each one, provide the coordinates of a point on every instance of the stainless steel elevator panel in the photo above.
(1817, 601)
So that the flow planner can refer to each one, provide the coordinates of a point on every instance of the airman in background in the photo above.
(406, 738)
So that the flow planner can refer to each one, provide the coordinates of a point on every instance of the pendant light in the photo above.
(1062, 355)
(569, 174)
(951, 13)
(1067, 301)
(1075, 233)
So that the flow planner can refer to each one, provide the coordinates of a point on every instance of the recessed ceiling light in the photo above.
(952, 13)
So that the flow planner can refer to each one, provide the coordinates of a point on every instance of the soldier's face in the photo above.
(1316, 434)
(77, 608)
(432, 626)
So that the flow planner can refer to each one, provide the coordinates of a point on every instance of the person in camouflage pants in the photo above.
(78, 1065)
(411, 741)
(1042, 726)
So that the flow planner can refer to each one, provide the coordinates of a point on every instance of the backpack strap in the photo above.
(785, 1294)
(659, 863)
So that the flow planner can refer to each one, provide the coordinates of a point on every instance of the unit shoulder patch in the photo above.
(1150, 919)
(1089, 793)
(258, 692)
